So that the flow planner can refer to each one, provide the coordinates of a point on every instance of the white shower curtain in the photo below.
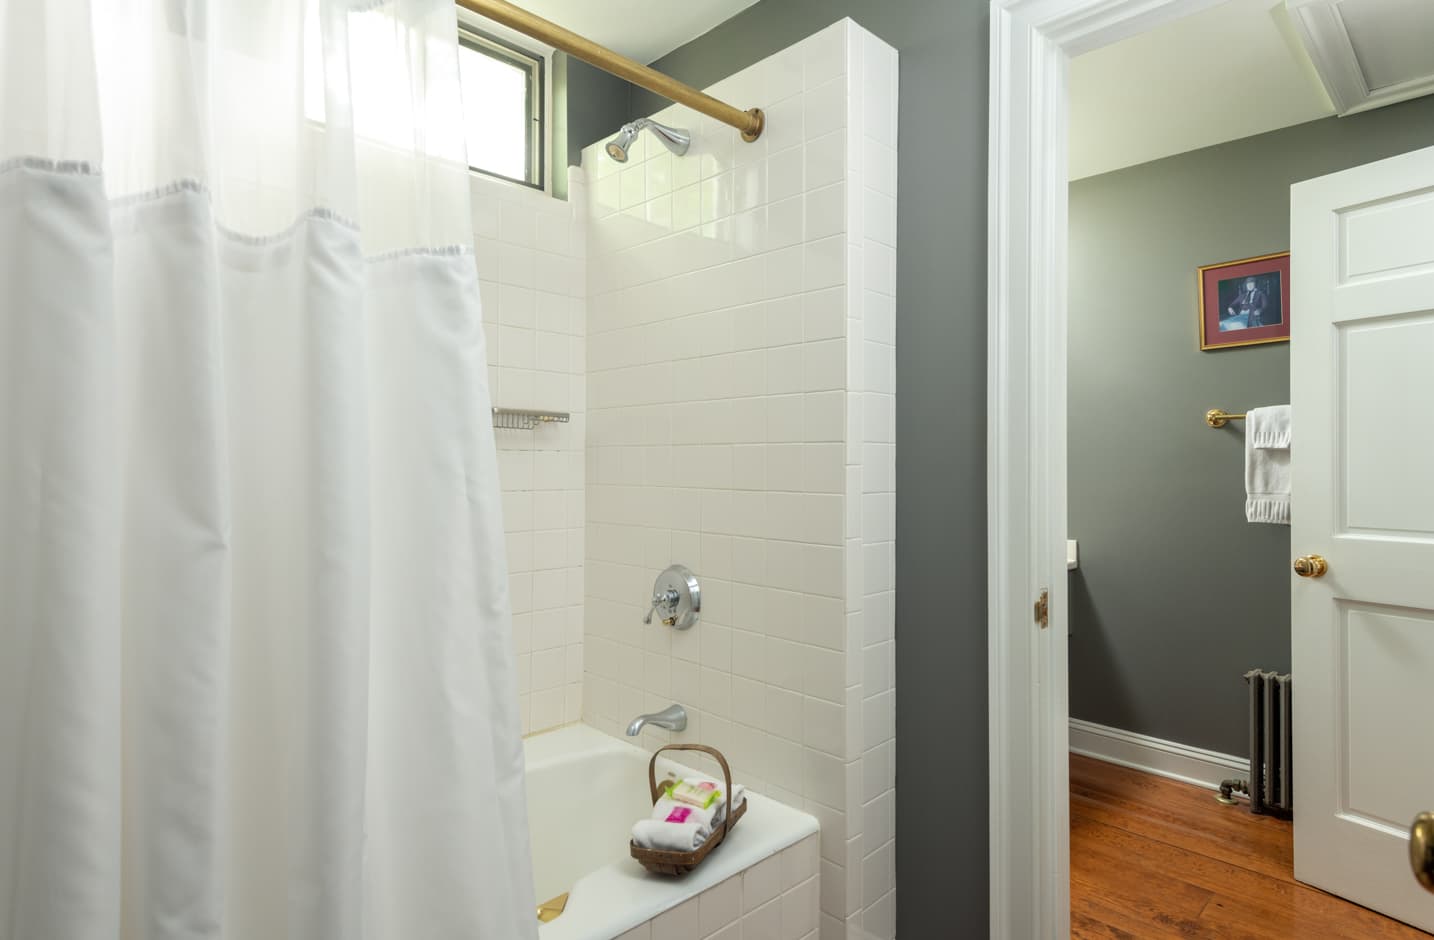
(256, 679)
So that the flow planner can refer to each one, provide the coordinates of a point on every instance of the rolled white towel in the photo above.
(669, 837)
(739, 795)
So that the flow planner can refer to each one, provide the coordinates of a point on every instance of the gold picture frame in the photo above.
(1219, 319)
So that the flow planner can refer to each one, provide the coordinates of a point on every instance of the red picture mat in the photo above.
(1210, 278)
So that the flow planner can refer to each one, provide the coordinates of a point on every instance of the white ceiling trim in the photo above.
(1326, 37)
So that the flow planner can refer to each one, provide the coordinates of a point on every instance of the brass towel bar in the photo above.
(1217, 418)
(529, 24)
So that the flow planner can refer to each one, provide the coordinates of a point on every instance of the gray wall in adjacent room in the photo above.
(941, 423)
(592, 104)
(1176, 595)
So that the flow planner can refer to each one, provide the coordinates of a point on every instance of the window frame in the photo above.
(535, 109)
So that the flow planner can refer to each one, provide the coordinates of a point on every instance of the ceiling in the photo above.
(640, 29)
(1231, 71)
(1370, 53)
(1392, 39)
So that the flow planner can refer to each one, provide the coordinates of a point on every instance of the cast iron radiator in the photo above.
(1270, 787)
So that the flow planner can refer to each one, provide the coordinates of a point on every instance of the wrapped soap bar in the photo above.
(701, 794)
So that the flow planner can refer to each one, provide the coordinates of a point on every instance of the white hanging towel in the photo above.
(1267, 465)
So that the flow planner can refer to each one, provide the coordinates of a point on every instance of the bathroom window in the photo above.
(502, 108)
(502, 87)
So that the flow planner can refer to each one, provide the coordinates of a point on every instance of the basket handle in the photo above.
(710, 751)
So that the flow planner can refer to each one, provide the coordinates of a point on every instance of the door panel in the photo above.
(1387, 655)
(1373, 240)
(1383, 362)
(1362, 471)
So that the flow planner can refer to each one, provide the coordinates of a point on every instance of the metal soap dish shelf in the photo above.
(526, 419)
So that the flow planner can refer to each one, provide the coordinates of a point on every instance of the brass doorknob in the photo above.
(1421, 849)
(1311, 566)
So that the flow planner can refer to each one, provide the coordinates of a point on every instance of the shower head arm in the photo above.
(675, 139)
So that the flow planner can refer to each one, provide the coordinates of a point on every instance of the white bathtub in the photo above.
(585, 789)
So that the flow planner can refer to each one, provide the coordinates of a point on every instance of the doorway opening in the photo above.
(1156, 497)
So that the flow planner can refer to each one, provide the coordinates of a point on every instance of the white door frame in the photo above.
(1032, 42)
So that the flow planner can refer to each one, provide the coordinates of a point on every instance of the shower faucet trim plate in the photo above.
(676, 598)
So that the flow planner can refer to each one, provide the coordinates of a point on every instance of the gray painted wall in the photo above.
(590, 103)
(1176, 595)
(941, 423)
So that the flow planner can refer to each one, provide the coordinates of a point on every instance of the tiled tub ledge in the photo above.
(764, 874)
(776, 899)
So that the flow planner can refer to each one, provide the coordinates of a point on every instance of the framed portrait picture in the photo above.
(1245, 302)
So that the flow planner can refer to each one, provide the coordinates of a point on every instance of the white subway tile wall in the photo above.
(532, 269)
(741, 384)
(776, 899)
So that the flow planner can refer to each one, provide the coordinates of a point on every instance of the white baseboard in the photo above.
(1154, 755)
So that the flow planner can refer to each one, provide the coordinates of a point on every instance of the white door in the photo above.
(1362, 386)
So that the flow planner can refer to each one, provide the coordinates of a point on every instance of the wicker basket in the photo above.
(663, 862)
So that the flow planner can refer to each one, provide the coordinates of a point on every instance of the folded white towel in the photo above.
(669, 837)
(1267, 465)
(1269, 428)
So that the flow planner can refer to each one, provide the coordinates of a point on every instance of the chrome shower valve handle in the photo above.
(667, 600)
(676, 598)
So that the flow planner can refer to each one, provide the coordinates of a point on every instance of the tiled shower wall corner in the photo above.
(741, 389)
(531, 252)
(871, 485)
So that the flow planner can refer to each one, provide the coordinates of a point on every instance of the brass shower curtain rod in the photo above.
(515, 17)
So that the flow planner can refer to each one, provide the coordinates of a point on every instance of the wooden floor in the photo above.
(1152, 858)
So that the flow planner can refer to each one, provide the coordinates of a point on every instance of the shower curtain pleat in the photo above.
(59, 579)
(256, 671)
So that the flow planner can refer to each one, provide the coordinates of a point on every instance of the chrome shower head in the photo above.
(618, 146)
(674, 139)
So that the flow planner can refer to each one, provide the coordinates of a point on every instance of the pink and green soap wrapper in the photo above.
(701, 794)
